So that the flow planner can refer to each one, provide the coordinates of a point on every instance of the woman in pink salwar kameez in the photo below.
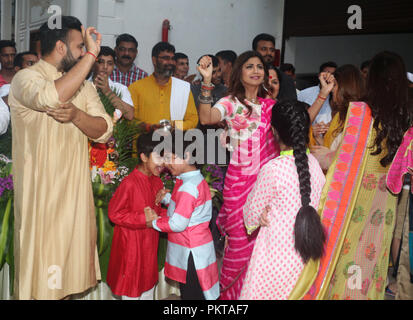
(251, 139)
(283, 203)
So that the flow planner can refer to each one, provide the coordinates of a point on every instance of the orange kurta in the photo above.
(330, 135)
(152, 101)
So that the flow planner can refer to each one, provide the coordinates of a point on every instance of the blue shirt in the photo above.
(309, 95)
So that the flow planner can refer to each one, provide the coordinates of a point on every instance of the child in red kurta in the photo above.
(133, 264)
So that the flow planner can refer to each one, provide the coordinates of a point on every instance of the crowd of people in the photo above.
(306, 211)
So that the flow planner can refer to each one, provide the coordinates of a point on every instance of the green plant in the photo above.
(6, 217)
(105, 183)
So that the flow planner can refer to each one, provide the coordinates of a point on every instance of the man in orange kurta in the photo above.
(152, 95)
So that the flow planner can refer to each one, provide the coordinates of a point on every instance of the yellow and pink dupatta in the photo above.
(337, 201)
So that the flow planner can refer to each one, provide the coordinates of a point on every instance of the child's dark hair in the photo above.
(181, 141)
(292, 122)
(146, 144)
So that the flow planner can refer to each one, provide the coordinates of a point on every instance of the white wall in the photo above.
(198, 26)
(308, 53)
(6, 20)
(29, 16)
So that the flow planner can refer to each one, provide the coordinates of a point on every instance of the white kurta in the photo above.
(4, 109)
(55, 224)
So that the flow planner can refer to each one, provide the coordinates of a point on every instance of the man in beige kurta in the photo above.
(55, 226)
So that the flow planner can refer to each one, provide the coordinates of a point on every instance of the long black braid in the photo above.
(292, 122)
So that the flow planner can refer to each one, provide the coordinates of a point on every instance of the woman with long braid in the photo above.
(283, 203)
(356, 208)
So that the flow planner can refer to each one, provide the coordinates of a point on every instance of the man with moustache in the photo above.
(21, 61)
(125, 71)
(163, 97)
(226, 60)
(265, 44)
(181, 65)
(7, 72)
(25, 59)
(7, 54)
(54, 112)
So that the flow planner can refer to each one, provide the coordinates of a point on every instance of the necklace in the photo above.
(253, 100)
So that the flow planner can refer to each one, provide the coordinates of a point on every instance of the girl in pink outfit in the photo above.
(252, 143)
(282, 202)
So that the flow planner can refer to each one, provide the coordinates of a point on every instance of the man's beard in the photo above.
(216, 81)
(125, 61)
(269, 59)
(8, 66)
(68, 62)
(165, 71)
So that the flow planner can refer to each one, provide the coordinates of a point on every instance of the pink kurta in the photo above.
(275, 265)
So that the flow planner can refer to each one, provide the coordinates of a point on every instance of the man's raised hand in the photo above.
(327, 82)
(92, 45)
(205, 68)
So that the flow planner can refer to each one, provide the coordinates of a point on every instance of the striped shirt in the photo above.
(134, 74)
(187, 225)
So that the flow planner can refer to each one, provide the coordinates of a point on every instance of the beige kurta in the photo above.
(55, 226)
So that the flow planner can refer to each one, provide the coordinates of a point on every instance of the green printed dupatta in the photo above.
(346, 181)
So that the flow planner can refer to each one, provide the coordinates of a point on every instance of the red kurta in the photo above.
(133, 264)
(2, 81)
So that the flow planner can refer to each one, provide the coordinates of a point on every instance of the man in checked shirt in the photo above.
(126, 72)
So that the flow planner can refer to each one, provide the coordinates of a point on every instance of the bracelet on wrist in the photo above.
(321, 98)
(207, 86)
(93, 55)
(205, 100)
(206, 93)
